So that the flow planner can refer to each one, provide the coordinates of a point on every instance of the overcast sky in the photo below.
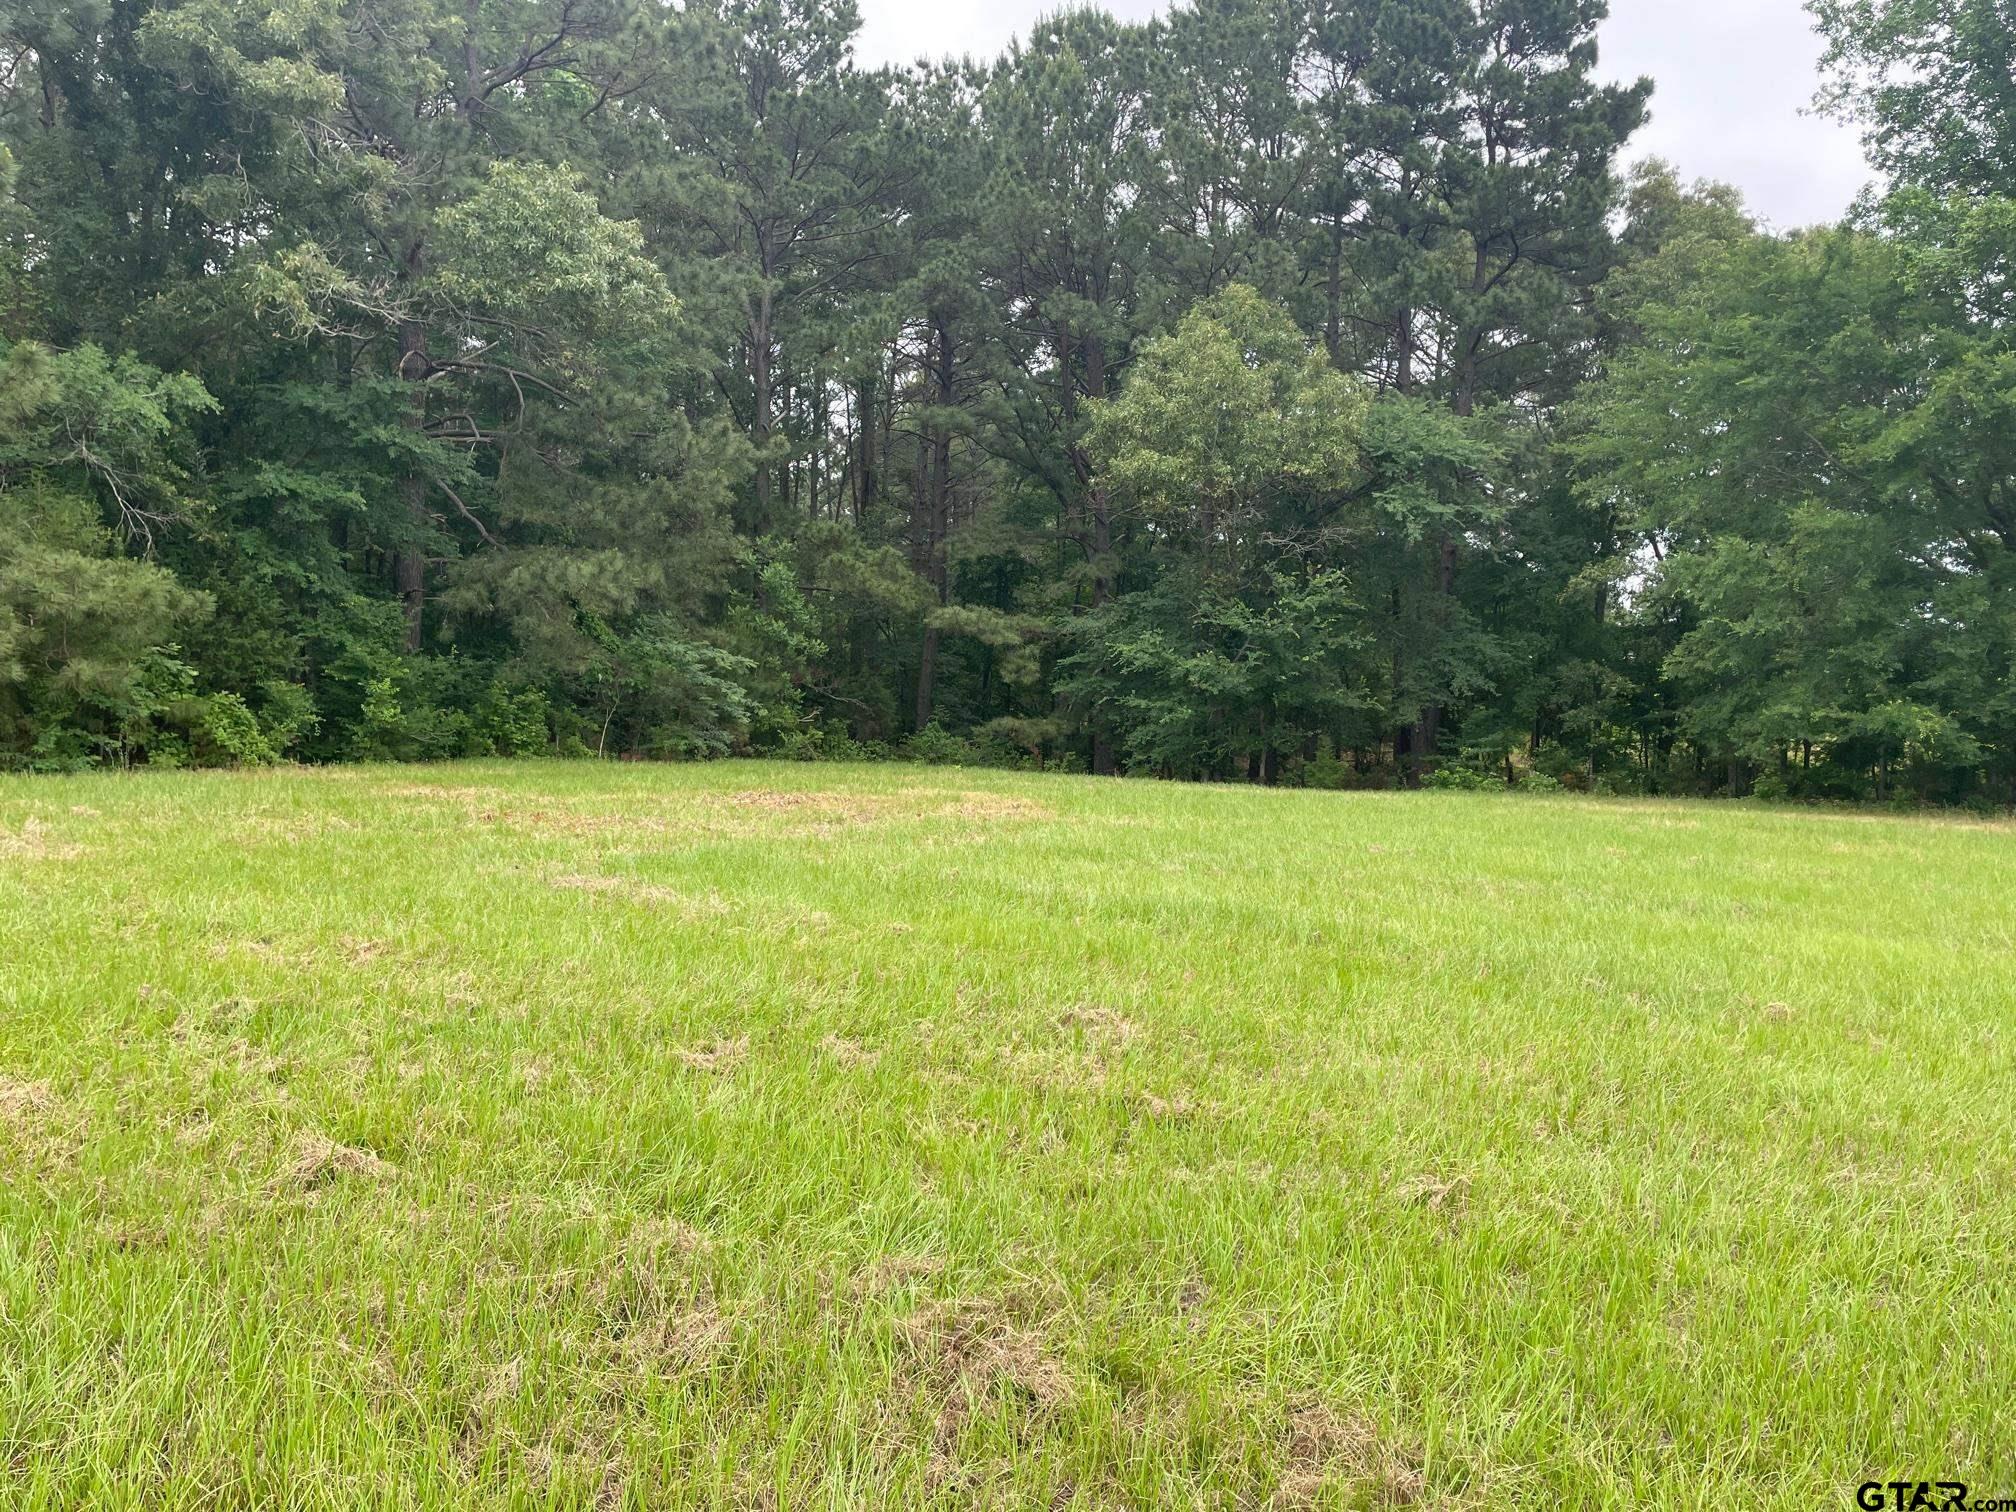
(1733, 76)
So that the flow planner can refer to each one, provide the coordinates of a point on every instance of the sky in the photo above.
(1735, 79)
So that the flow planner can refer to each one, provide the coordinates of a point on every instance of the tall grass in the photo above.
(568, 1136)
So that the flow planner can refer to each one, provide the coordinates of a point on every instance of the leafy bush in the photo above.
(380, 722)
(223, 731)
(934, 747)
(1014, 742)
(288, 715)
(515, 724)
(1458, 778)
(1327, 773)
(822, 742)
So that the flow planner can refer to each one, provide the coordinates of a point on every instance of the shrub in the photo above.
(1770, 788)
(380, 722)
(515, 724)
(223, 731)
(817, 742)
(1326, 772)
(288, 715)
(934, 746)
(1461, 779)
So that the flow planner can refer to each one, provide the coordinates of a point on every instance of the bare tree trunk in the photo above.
(409, 562)
(932, 519)
(1104, 761)
(865, 478)
(762, 399)
(1333, 324)
(927, 677)
(1428, 728)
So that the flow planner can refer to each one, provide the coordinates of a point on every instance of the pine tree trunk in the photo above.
(409, 563)
(1105, 762)
(927, 678)
(1333, 324)
(865, 479)
(932, 520)
(762, 401)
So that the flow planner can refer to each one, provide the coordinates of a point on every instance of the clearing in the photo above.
(562, 1135)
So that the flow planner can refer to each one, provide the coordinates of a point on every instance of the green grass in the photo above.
(578, 1136)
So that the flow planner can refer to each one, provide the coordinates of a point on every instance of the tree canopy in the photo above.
(1281, 390)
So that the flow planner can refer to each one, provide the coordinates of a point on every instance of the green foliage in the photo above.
(1271, 389)
(228, 734)
(1231, 423)
(933, 746)
(381, 725)
(1242, 448)
(1197, 682)
(1013, 741)
(1825, 522)
(517, 723)
(84, 636)
(1456, 777)
(287, 714)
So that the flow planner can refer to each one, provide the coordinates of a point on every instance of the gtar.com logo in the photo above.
(1918, 1496)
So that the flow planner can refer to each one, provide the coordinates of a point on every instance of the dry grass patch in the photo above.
(262, 948)
(1100, 1024)
(444, 792)
(689, 906)
(676, 1339)
(359, 951)
(667, 1238)
(843, 808)
(19, 1099)
(993, 806)
(849, 1053)
(260, 828)
(715, 1055)
(894, 1272)
(1435, 1193)
(851, 808)
(320, 1161)
(971, 1347)
(36, 1125)
(33, 841)
(1328, 1453)
(1171, 1109)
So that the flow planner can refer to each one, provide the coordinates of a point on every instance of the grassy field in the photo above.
(581, 1136)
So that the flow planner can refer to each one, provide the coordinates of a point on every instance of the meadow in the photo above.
(586, 1136)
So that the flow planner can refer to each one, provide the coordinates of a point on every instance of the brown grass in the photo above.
(691, 906)
(33, 842)
(1436, 1193)
(849, 1053)
(1101, 1024)
(715, 1055)
(320, 1161)
(21, 1100)
(1326, 1449)
(973, 1346)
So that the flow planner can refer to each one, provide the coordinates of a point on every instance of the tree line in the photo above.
(1283, 390)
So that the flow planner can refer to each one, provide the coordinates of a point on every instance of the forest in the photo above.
(1285, 391)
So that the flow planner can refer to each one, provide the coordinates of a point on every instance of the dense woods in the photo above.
(1286, 390)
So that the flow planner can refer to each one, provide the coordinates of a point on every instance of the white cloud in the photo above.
(1734, 79)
